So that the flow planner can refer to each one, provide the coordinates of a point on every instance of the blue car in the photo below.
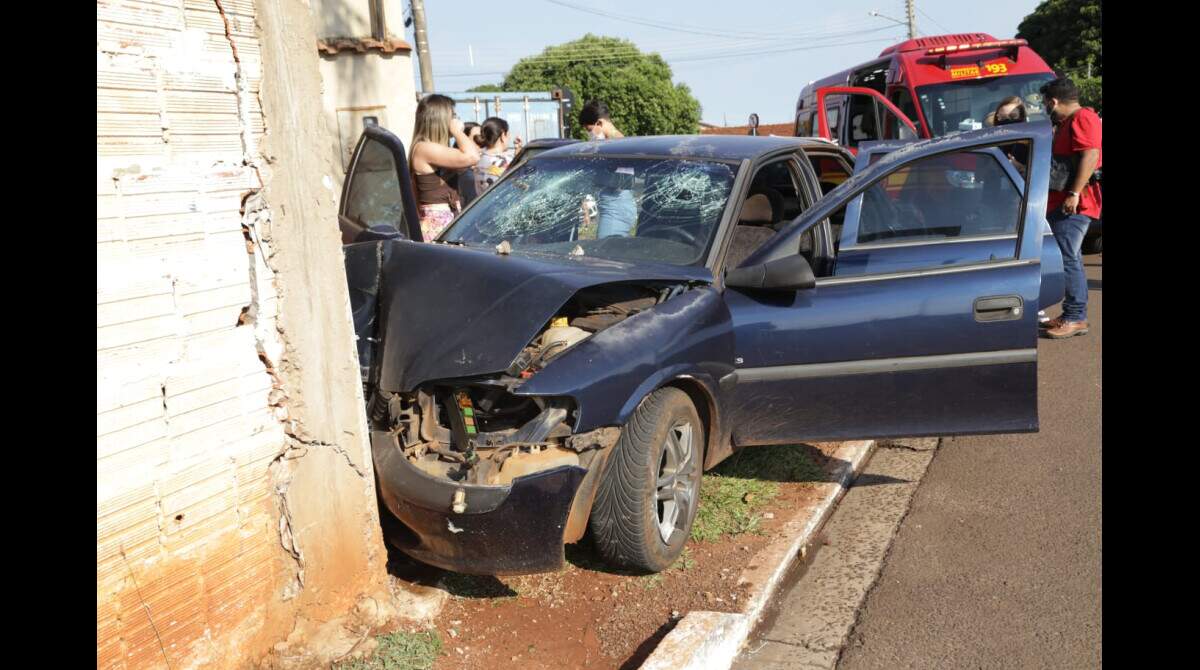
(530, 377)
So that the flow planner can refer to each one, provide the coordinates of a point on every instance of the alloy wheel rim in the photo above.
(674, 488)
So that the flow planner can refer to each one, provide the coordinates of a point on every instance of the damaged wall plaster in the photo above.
(235, 497)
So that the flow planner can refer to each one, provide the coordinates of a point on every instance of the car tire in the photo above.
(657, 456)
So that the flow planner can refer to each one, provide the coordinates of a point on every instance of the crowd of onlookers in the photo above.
(453, 162)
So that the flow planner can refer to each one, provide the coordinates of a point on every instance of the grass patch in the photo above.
(777, 463)
(400, 651)
(685, 561)
(651, 581)
(732, 494)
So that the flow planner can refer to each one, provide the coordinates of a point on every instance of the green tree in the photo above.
(1066, 33)
(636, 87)
(486, 88)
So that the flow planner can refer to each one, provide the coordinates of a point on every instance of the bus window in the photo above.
(804, 124)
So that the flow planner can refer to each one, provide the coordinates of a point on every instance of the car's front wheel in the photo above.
(648, 497)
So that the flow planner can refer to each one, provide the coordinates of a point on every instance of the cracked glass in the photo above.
(626, 209)
(375, 201)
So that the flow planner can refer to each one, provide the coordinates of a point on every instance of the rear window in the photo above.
(963, 105)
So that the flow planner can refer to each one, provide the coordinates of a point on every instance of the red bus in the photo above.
(930, 86)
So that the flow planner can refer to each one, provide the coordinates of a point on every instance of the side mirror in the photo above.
(790, 273)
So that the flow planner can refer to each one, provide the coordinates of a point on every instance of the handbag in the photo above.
(1062, 171)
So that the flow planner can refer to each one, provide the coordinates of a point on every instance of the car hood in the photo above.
(449, 311)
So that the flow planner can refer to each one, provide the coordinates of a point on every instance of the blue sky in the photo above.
(716, 48)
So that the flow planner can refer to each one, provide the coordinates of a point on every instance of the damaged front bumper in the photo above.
(509, 529)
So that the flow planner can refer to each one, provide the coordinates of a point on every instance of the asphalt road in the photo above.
(997, 563)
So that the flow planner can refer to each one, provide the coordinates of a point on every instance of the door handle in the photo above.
(999, 308)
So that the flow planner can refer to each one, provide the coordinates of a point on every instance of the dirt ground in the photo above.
(589, 615)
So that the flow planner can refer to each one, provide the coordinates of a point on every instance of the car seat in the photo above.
(754, 226)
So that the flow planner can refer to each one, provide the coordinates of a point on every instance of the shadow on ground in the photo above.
(778, 463)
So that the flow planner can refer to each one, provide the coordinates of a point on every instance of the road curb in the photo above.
(711, 640)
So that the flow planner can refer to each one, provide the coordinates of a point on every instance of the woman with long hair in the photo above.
(437, 200)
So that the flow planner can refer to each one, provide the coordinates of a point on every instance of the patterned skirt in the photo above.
(434, 219)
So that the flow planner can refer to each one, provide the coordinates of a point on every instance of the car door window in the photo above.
(374, 197)
(774, 199)
(954, 195)
(861, 119)
(831, 171)
(902, 99)
(833, 106)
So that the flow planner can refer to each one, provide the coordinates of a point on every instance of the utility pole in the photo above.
(912, 19)
(418, 12)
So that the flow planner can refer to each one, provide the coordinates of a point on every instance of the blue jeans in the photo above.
(618, 213)
(1068, 232)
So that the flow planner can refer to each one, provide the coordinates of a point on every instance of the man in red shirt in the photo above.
(1076, 137)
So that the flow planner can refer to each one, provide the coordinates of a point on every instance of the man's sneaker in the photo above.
(1056, 322)
(1068, 329)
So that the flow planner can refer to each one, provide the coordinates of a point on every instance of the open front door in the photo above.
(377, 196)
(850, 114)
(944, 345)
(377, 205)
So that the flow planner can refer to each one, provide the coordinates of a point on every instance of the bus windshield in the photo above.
(963, 105)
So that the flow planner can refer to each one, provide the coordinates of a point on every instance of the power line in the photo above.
(599, 54)
(717, 56)
(935, 22)
(675, 27)
(674, 46)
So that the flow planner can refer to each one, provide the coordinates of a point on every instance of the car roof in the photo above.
(721, 147)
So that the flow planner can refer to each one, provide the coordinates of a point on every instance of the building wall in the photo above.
(235, 496)
(363, 76)
(367, 84)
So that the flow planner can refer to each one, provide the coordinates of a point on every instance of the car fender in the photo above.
(688, 338)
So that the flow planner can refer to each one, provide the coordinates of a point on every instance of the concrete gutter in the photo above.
(711, 640)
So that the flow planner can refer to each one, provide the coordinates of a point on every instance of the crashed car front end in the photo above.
(478, 498)
(485, 476)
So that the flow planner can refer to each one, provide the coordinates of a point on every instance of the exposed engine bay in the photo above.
(477, 431)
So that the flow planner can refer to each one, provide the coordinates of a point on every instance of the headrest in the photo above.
(757, 209)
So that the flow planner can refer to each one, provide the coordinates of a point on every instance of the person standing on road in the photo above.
(617, 209)
(437, 200)
(1074, 195)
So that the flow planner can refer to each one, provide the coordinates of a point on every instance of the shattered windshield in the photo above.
(626, 209)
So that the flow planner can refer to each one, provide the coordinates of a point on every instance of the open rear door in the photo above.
(377, 196)
(851, 114)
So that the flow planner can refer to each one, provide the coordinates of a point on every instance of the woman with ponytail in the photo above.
(493, 139)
